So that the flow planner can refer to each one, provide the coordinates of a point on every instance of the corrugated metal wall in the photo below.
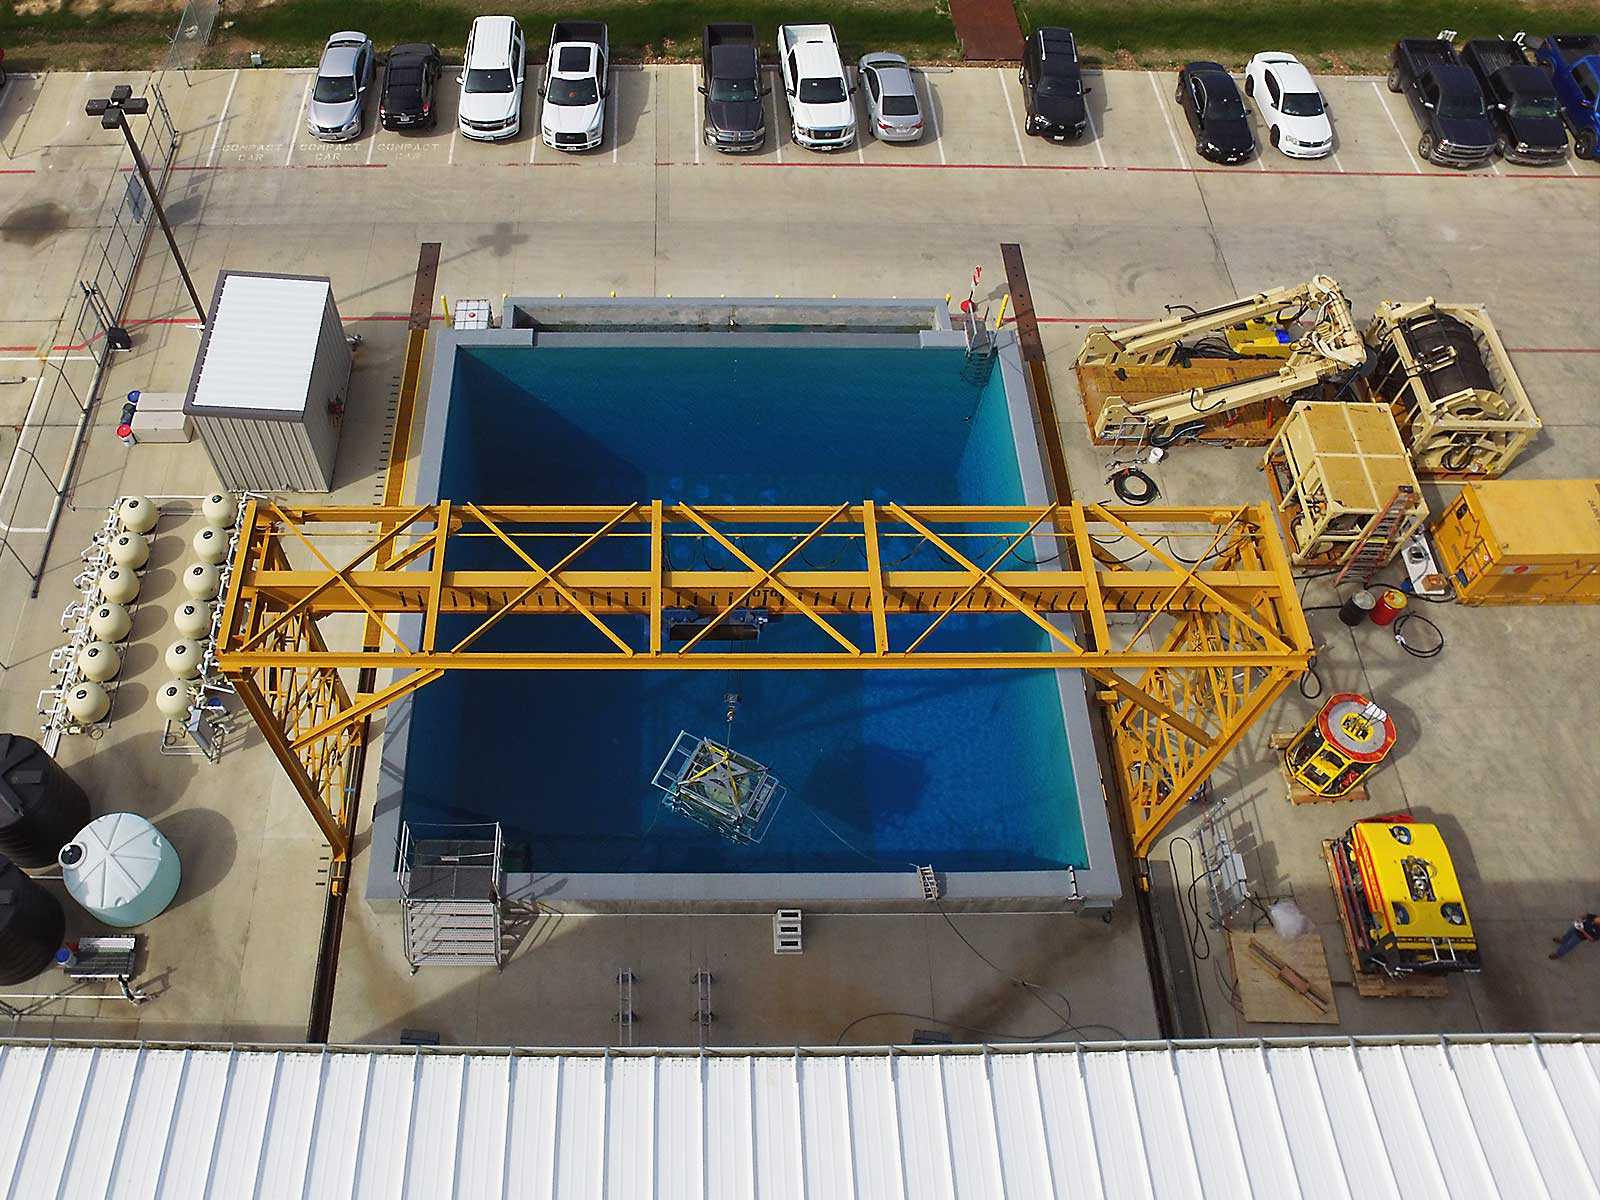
(1403, 1120)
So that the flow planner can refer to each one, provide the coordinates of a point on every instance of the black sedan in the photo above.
(408, 99)
(1211, 102)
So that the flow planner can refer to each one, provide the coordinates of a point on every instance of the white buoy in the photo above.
(138, 514)
(183, 658)
(110, 623)
(119, 585)
(173, 700)
(220, 510)
(131, 550)
(202, 581)
(88, 703)
(211, 545)
(193, 619)
(99, 661)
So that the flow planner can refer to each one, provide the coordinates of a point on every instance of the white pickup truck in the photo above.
(820, 106)
(576, 84)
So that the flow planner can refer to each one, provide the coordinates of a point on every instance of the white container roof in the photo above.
(1400, 1119)
(260, 348)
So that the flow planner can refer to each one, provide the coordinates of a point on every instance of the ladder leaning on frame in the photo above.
(1380, 540)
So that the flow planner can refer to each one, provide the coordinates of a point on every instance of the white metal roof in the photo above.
(1404, 1119)
(261, 344)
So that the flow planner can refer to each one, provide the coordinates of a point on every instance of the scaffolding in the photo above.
(1187, 650)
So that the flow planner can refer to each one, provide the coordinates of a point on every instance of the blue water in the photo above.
(968, 770)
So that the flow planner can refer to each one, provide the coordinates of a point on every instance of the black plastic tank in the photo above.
(41, 808)
(31, 925)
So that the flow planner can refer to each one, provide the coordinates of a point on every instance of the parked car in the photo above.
(1445, 99)
(1211, 102)
(338, 101)
(1291, 106)
(893, 110)
(822, 115)
(576, 83)
(409, 79)
(736, 120)
(1521, 102)
(1052, 85)
(491, 80)
(1573, 60)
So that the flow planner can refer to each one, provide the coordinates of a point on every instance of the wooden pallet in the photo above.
(1264, 998)
(1252, 425)
(1297, 792)
(1371, 984)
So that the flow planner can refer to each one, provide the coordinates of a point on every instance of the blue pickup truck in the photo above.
(1573, 60)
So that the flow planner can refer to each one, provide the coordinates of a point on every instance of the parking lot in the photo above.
(1112, 229)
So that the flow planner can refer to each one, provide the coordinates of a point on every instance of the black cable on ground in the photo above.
(1432, 644)
(1141, 496)
(1199, 941)
(1311, 673)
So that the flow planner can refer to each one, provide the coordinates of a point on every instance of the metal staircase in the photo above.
(1381, 539)
(450, 883)
(981, 347)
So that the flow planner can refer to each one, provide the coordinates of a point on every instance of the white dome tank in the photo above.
(119, 585)
(110, 623)
(99, 661)
(220, 510)
(211, 545)
(193, 618)
(88, 703)
(121, 870)
(202, 580)
(173, 700)
(183, 658)
(131, 550)
(138, 514)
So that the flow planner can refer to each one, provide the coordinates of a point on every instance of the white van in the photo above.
(491, 80)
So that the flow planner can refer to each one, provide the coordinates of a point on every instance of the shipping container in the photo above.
(270, 382)
(1523, 541)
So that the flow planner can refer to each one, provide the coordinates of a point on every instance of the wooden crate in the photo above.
(1374, 985)
(1297, 793)
(1267, 1000)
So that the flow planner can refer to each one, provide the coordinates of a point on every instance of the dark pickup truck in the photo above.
(1522, 102)
(735, 117)
(1446, 100)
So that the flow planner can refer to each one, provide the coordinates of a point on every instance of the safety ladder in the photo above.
(450, 887)
(1380, 540)
(929, 880)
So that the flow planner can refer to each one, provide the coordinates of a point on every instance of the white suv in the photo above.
(491, 80)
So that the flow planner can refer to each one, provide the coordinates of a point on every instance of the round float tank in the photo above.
(88, 703)
(138, 514)
(41, 806)
(31, 926)
(99, 661)
(119, 585)
(220, 510)
(202, 580)
(131, 550)
(211, 545)
(121, 870)
(193, 619)
(110, 623)
(173, 700)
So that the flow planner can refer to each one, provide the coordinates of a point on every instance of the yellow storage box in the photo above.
(1523, 541)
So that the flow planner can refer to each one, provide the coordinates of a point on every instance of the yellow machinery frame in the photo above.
(1188, 651)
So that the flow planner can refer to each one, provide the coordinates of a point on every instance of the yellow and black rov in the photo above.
(1401, 898)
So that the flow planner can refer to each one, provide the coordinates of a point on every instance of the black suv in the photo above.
(1052, 85)
(1215, 111)
(408, 100)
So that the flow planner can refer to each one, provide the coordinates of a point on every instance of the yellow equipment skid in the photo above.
(1404, 902)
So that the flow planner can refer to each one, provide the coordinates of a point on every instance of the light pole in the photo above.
(113, 113)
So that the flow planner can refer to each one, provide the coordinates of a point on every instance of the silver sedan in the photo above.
(339, 95)
(894, 113)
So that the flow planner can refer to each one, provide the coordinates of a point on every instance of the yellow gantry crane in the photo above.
(1188, 651)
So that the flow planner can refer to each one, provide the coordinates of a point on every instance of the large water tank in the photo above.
(31, 926)
(121, 869)
(41, 807)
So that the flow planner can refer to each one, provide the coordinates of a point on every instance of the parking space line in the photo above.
(859, 111)
(1570, 167)
(451, 159)
(1404, 145)
(1493, 166)
(1012, 113)
(777, 126)
(1334, 154)
(615, 122)
(1093, 128)
(299, 119)
(372, 142)
(1161, 103)
(933, 118)
(694, 103)
(222, 121)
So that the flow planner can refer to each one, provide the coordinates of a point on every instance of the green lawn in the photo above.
(1330, 34)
